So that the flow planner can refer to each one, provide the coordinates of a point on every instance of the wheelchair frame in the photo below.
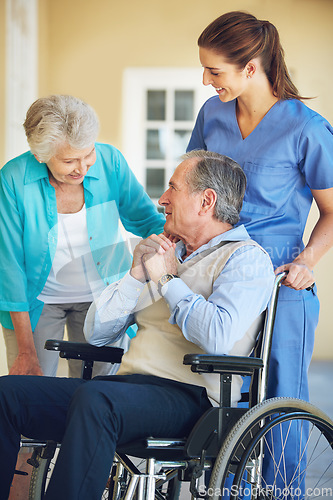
(229, 442)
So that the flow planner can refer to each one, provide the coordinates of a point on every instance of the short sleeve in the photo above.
(316, 153)
(197, 137)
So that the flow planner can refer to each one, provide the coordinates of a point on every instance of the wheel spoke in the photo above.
(278, 472)
(296, 438)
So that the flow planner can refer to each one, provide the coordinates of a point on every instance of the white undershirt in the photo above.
(73, 276)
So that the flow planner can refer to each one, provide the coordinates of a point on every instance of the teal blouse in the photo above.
(28, 225)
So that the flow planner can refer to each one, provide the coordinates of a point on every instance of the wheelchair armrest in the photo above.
(85, 352)
(238, 365)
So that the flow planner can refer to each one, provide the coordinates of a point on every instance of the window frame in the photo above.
(136, 84)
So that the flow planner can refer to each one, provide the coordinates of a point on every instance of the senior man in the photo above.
(199, 295)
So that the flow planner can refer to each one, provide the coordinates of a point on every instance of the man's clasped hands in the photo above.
(153, 257)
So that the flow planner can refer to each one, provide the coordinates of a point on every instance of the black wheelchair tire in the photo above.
(245, 437)
(38, 478)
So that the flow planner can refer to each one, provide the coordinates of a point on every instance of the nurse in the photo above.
(286, 150)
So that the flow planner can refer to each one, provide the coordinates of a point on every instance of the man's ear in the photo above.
(208, 201)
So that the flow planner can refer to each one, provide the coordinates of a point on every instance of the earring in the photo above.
(248, 76)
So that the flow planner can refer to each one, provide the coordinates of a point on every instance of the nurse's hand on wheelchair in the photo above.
(299, 276)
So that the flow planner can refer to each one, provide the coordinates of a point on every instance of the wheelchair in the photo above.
(229, 451)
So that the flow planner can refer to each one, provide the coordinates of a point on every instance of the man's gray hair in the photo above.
(224, 176)
(59, 119)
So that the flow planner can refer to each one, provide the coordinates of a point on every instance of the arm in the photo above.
(26, 362)
(13, 281)
(240, 294)
(321, 240)
(315, 153)
(112, 313)
(137, 212)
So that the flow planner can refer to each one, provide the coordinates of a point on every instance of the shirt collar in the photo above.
(236, 234)
(35, 170)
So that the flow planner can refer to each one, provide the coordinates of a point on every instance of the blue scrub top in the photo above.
(286, 155)
(28, 225)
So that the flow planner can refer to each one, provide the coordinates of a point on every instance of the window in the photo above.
(160, 107)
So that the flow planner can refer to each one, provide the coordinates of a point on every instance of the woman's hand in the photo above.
(299, 276)
(26, 364)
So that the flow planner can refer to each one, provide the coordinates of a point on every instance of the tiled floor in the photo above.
(320, 382)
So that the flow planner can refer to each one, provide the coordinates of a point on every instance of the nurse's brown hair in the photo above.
(240, 37)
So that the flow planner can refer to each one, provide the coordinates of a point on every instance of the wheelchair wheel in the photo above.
(45, 459)
(255, 459)
(43, 464)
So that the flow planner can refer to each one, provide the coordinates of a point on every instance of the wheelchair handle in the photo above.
(309, 288)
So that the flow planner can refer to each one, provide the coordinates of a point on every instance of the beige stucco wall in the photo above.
(91, 42)
(84, 47)
(2, 131)
(87, 58)
(2, 78)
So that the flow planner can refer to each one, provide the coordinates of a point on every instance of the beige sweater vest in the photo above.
(159, 347)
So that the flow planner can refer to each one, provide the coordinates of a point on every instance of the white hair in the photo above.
(59, 119)
(224, 176)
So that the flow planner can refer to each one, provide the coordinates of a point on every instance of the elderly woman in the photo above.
(61, 205)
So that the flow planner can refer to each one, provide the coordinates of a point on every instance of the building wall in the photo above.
(2, 79)
(2, 130)
(84, 48)
(87, 58)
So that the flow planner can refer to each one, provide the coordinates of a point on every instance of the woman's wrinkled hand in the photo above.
(25, 364)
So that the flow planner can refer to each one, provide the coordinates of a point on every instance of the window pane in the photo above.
(181, 139)
(156, 104)
(155, 144)
(155, 178)
(184, 103)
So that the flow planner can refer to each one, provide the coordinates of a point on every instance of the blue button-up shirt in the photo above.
(240, 293)
(28, 225)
